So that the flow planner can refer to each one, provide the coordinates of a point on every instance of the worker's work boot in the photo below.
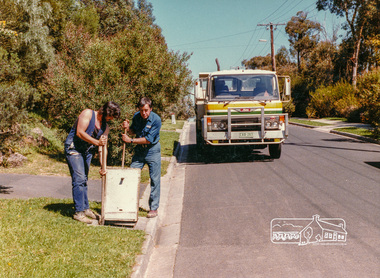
(81, 217)
(92, 214)
(152, 214)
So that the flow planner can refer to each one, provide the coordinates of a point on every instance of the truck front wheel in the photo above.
(275, 150)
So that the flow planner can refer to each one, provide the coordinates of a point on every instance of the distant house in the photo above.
(319, 231)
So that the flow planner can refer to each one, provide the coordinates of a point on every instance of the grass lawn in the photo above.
(167, 125)
(353, 130)
(40, 239)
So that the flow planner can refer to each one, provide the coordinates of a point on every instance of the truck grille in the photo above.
(251, 124)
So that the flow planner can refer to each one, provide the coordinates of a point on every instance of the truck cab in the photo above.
(241, 107)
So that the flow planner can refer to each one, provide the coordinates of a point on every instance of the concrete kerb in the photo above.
(152, 224)
(363, 138)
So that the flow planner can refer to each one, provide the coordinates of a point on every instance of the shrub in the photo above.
(15, 100)
(325, 100)
(369, 97)
(348, 107)
(289, 108)
(90, 71)
(300, 95)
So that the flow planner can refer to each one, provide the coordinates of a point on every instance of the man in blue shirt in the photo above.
(146, 126)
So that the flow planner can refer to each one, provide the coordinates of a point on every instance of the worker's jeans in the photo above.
(79, 165)
(152, 157)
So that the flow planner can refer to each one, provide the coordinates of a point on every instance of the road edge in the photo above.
(141, 264)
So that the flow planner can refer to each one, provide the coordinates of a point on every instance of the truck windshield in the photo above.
(257, 87)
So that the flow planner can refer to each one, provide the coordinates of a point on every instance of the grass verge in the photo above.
(357, 131)
(40, 239)
(54, 164)
(167, 125)
(307, 122)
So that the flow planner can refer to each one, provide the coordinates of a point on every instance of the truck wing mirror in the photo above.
(286, 93)
(287, 86)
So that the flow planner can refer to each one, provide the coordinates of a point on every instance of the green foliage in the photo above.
(259, 62)
(70, 55)
(362, 104)
(289, 107)
(91, 70)
(361, 23)
(303, 36)
(300, 94)
(115, 15)
(61, 11)
(9, 66)
(16, 98)
(369, 97)
(14, 102)
(182, 109)
(89, 18)
(325, 100)
(35, 48)
(320, 65)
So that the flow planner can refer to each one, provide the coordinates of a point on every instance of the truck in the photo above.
(241, 107)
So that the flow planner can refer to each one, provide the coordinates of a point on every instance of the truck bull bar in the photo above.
(260, 140)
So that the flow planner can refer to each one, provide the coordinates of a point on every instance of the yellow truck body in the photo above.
(241, 107)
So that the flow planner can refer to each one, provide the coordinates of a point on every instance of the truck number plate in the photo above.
(246, 135)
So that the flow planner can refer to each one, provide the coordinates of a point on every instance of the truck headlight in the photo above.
(272, 122)
(217, 125)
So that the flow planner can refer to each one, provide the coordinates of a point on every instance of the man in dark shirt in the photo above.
(146, 126)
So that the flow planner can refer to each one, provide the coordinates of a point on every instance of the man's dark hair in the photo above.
(110, 109)
(143, 101)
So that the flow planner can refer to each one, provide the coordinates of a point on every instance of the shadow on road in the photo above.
(5, 189)
(217, 155)
(332, 147)
(375, 164)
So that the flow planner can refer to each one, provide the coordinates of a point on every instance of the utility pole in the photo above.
(272, 42)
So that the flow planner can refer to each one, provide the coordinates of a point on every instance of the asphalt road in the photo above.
(229, 204)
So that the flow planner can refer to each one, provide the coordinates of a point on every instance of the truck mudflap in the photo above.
(239, 127)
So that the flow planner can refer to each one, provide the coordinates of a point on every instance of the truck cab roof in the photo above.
(240, 71)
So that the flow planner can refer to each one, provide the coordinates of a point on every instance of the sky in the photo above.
(228, 29)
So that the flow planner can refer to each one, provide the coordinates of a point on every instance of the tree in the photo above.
(284, 63)
(93, 69)
(357, 14)
(25, 51)
(320, 65)
(114, 15)
(303, 36)
(259, 62)
(33, 46)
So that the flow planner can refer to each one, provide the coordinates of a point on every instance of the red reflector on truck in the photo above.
(245, 109)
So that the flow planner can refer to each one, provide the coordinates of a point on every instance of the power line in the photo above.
(277, 19)
(264, 45)
(213, 39)
(275, 11)
(249, 42)
(280, 18)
